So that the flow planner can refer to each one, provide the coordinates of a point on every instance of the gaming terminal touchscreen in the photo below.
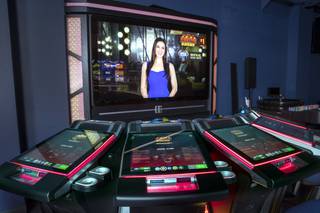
(63, 151)
(164, 154)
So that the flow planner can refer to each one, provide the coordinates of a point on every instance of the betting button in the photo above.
(100, 172)
(87, 181)
(86, 184)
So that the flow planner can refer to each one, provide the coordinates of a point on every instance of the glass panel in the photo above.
(75, 74)
(77, 109)
(74, 35)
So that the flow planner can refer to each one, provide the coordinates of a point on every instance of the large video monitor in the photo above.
(64, 151)
(122, 52)
(165, 154)
(140, 62)
(253, 144)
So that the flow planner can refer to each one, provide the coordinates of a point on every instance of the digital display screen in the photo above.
(167, 154)
(255, 144)
(136, 61)
(63, 151)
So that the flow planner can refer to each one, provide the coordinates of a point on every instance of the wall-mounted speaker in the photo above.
(315, 42)
(250, 69)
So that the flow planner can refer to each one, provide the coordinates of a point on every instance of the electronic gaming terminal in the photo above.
(165, 162)
(289, 131)
(47, 171)
(270, 161)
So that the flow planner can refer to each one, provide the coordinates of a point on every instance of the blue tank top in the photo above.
(157, 84)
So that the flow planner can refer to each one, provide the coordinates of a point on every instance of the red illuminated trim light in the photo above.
(239, 157)
(171, 187)
(24, 178)
(282, 134)
(288, 168)
(69, 175)
(285, 122)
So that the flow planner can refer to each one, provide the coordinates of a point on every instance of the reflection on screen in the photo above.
(179, 152)
(64, 149)
(254, 143)
(278, 126)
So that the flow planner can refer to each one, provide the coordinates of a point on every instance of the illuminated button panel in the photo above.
(172, 184)
(28, 176)
(290, 165)
(170, 168)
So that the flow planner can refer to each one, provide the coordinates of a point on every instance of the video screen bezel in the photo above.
(203, 105)
(126, 160)
(73, 165)
(248, 158)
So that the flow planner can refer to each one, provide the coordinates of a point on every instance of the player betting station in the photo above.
(270, 161)
(163, 163)
(50, 169)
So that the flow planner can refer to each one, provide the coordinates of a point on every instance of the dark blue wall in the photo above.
(245, 30)
(292, 55)
(41, 34)
(8, 115)
(308, 74)
(303, 67)
(41, 26)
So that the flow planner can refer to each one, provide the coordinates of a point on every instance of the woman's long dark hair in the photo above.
(164, 58)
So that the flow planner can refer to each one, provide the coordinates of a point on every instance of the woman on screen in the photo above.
(158, 77)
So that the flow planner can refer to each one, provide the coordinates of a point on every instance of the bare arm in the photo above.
(143, 82)
(174, 84)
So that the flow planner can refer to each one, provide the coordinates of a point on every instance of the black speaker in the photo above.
(234, 88)
(315, 42)
(250, 67)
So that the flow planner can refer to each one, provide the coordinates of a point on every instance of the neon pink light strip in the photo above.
(281, 134)
(288, 168)
(239, 157)
(227, 149)
(168, 175)
(29, 178)
(285, 122)
(108, 142)
(26, 179)
(139, 12)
